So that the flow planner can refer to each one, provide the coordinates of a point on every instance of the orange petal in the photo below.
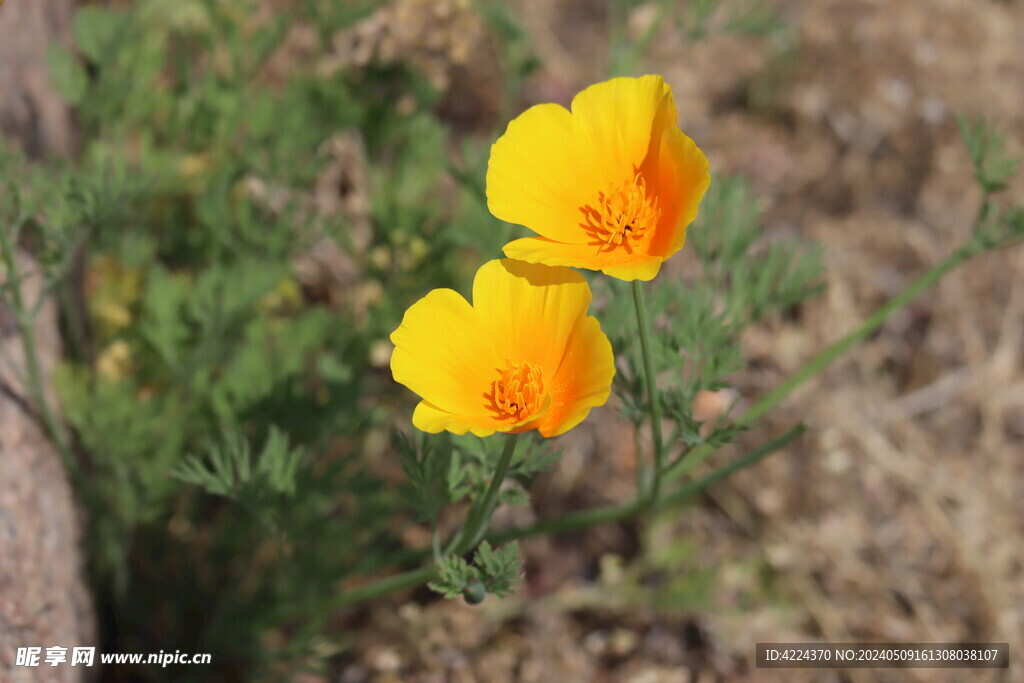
(583, 380)
(682, 180)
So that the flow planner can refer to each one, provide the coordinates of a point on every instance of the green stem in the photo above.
(616, 513)
(652, 391)
(26, 328)
(476, 525)
(618, 13)
(838, 348)
(464, 541)
(576, 520)
(371, 591)
(619, 513)
(698, 485)
(560, 525)
(435, 541)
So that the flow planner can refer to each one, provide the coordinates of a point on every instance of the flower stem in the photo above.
(480, 516)
(570, 522)
(26, 329)
(652, 393)
(694, 487)
(617, 513)
(376, 589)
(435, 541)
(464, 541)
(838, 348)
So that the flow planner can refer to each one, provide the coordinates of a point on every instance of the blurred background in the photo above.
(239, 198)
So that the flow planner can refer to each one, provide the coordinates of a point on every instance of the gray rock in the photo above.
(44, 598)
(31, 111)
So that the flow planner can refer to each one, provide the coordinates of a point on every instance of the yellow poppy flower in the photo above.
(525, 355)
(609, 186)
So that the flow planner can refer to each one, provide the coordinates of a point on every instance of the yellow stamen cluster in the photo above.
(519, 392)
(623, 214)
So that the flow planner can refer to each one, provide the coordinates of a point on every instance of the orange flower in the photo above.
(610, 186)
(525, 355)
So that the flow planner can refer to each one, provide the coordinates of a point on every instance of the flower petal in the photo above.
(682, 180)
(444, 353)
(624, 118)
(537, 173)
(431, 419)
(530, 310)
(452, 354)
(583, 380)
(619, 263)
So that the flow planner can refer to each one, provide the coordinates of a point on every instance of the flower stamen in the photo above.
(519, 392)
(624, 214)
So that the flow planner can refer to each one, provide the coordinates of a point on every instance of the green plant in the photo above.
(230, 428)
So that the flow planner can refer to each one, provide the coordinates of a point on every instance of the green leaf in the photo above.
(332, 369)
(95, 30)
(454, 576)
(228, 468)
(277, 464)
(68, 75)
(513, 494)
(993, 164)
(161, 323)
(496, 571)
(500, 569)
(434, 473)
(753, 280)
(532, 458)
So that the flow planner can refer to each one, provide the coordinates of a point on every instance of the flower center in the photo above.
(519, 391)
(623, 214)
